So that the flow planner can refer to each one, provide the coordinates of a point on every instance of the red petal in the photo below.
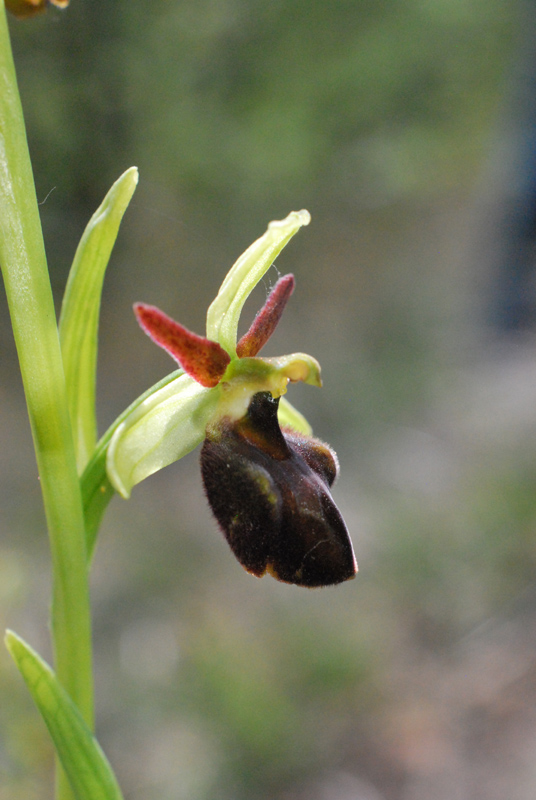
(204, 360)
(266, 320)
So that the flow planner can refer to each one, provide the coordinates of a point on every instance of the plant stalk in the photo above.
(28, 290)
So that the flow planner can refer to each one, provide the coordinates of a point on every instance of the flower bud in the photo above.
(28, 8)
(269, 491)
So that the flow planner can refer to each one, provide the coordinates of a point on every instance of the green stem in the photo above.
(23, 261)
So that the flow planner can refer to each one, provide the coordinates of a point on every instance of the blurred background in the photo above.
(408, 130)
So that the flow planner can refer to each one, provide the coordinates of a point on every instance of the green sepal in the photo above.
(80, 312)
(97, 491)
(81, 756)
(224, 312)
(288, 415)
(166, 426)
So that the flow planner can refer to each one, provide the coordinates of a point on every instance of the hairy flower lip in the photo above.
(270, 493)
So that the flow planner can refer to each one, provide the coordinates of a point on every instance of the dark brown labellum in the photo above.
(269, 491)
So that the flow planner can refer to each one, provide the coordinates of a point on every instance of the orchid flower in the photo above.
(268, 487)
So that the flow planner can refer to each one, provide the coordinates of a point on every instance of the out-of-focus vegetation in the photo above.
(416, 679)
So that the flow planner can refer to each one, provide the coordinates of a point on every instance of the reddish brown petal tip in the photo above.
(29, 8)
(205, 361)
(266, 320)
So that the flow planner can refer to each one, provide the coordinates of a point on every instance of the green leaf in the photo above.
(80, 312)
(85, 764)
(288, 415)
(166, 426)
(224, 312)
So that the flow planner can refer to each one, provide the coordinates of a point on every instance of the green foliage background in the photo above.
(379, 118)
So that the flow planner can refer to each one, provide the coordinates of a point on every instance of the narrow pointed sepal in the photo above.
(270, 493)
(266, 320)
(224, 311)
(205, 361)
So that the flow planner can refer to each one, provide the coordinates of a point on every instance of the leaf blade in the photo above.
(79, 317)
(82, 758)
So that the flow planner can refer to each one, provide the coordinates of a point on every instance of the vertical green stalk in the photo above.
(23, 263)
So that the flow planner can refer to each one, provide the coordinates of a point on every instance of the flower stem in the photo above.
(24, 268)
